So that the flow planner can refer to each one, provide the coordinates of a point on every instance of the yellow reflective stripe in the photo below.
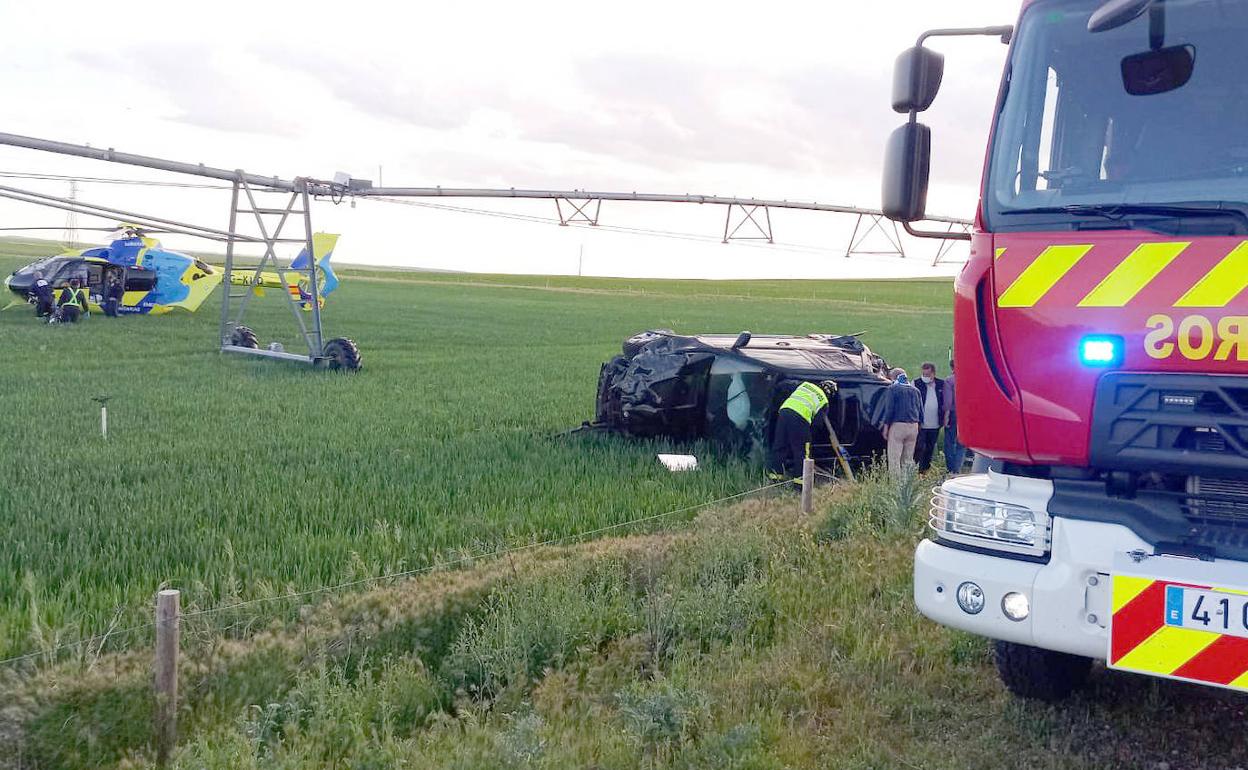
(814, 393)
(805, 402)
(1221, 284)
(998, 253)
(1042, 275)
(1241, 683)
(1127, 588)
(1167, 649)
(1133, 274)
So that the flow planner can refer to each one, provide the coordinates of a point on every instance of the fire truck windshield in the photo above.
(1079, 143)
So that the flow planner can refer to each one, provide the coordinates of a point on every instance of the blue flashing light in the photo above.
(1100, 350)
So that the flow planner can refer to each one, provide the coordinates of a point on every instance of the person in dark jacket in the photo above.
(934, 414)
(41, 290)
(899, 420)
(955, 453)
(795, 424)
(73, 303)
(113, 293)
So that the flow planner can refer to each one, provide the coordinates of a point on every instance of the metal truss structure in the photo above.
(946, 245)
(270, 222)
(579, 212)
(877, 224)
(759, 230)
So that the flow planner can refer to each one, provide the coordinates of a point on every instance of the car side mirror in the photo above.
(1156, 72)
(907, 163)
(916, 79)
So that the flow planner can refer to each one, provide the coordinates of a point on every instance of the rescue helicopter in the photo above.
(156, 280)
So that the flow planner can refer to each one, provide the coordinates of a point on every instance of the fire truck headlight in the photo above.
(989, 524)
(1015, 606)
(1101, 350)
(970, 598)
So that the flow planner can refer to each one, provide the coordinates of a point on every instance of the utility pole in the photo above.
(580, 262)
(71, 219)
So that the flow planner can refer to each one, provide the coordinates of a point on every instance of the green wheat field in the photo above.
(233, 478)
(740, 635)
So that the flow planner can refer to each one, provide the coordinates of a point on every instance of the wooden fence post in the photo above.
(167, 621)
(808, 485)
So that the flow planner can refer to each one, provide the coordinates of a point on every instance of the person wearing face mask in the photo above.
(934, 414)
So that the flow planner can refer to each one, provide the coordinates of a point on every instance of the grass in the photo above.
(234, 479)
(749, 639)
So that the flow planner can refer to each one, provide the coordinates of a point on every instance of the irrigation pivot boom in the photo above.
(745, 218)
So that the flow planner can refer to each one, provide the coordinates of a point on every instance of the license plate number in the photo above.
(1214, 611)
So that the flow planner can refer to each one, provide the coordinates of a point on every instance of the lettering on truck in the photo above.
(1197, 337)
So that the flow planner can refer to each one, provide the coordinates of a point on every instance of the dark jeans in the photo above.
(955, 453)
(70, 313)
(788, 444)
(925, 446)
(110, 307)
(43, 308)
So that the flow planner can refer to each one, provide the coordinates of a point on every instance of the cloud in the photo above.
(669, 115)
(439, 101)
(207, 88)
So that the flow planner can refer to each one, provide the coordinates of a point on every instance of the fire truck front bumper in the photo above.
(1056, 600)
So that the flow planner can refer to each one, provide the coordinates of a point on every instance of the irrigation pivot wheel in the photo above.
(243, 337)
(342, 353)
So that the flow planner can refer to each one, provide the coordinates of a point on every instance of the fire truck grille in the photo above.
(1172, 423)
(1216, 501)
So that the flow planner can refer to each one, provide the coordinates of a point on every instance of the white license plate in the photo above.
(1214, 611)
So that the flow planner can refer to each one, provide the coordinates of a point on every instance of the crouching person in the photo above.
(73, 303)
(41, 293)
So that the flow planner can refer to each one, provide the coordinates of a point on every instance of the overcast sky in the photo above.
(783, 100)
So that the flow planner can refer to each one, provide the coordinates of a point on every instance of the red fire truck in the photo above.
(1101, 346)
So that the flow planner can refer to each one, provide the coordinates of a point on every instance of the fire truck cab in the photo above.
(1101, 346)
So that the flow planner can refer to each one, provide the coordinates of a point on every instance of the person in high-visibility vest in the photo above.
(73, 302)
(794, 429)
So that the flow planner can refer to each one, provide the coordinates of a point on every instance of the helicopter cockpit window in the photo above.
(47, 266)
(64, 270)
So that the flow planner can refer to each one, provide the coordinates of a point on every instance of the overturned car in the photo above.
(728, 389)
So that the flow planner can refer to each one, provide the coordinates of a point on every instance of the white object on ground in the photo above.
(679, 462)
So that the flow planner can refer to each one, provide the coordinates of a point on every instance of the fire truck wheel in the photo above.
(342, 353)
(1030, 672)
(243, 337)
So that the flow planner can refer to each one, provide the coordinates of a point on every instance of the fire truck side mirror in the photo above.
(916, 79)
(907, 161)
